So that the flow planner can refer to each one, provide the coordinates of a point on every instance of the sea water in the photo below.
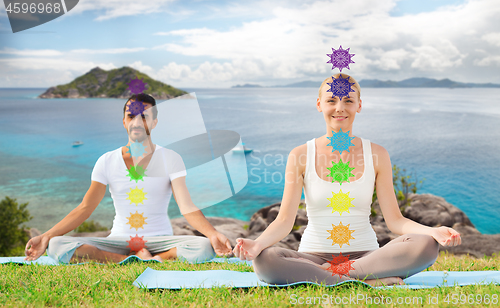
(449, 137)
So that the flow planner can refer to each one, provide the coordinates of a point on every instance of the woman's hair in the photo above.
(351, 80)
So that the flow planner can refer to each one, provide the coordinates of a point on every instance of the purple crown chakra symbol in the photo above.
(136, 86)
(340, 58)
(340, 87)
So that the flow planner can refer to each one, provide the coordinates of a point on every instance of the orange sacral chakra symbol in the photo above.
(136, 220)
(340, 234)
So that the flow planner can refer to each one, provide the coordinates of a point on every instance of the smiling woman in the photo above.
(338, 243)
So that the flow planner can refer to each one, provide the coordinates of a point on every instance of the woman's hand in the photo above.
(36, 247)
(246, 249)
(221, 244)
(446, 236)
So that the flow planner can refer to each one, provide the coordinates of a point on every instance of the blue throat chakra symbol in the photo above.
(340, 58)
(136, 107)
(136, 149)
(340, 87)
(340, 141)
(136, 86)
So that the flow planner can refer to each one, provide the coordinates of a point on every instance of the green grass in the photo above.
(94, 285)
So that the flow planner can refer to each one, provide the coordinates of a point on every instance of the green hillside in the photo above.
(112, 83)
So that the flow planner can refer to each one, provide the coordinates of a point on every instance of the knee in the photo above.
(428, 247)
(263, 262)
(61, 248)
(199, 250)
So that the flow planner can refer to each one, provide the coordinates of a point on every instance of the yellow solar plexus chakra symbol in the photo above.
(340, 202)
(136, 196)
(136, 220)
(340, 234)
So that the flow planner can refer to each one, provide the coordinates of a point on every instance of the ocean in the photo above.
(449, 137)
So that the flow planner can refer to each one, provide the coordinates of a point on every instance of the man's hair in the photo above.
(344, 76)
(145, 98)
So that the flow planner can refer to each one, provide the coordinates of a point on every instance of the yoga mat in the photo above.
(153, 279)
(130, 259)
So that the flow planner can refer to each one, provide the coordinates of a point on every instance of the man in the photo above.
(141, 178)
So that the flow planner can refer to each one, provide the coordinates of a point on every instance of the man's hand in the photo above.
(246, 249)
(36, 247)
(221, 244)
(446, 236)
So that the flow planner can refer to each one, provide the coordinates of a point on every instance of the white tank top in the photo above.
(339, 215)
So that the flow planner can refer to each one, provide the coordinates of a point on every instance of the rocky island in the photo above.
(111, 84)
(426, 209)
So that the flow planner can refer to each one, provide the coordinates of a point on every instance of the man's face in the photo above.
(139, 126)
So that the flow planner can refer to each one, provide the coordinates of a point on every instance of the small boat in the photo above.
(77, 143)
(242, 149)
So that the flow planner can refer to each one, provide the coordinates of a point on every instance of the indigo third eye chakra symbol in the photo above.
(25, 14)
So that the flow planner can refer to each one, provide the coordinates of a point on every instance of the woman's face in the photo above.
(338, 113)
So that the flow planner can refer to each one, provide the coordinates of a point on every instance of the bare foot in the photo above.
(323, 266)
(387, 281)
(158, 258)
(144, 254)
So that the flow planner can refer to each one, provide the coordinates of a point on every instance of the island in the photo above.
(418, 82)
(99, 83)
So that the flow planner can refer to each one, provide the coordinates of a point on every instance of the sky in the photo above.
(218, 44)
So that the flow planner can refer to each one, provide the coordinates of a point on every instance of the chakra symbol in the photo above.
(136, 220)
(340, 141)
(136, 196)
(136, 107)
(340, 87)
(136, 149)
(340, 265)
(340, 234)
(340, 202)
(136, 173)
(136, 243)
(136, 86)
(340, 58)
(340, 172)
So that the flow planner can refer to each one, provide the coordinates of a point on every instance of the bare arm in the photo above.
(282, 225)
(396, 222)
(37, 245)
(196, 218)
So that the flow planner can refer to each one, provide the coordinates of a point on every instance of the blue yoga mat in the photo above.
(130, 259)
(153, 279)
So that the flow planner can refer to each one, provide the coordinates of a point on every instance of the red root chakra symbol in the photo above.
(340, 265)
(136, 243)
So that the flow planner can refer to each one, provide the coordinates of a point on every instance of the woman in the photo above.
(338, 172)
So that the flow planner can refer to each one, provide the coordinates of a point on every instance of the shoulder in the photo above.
(298, 158)
(380, 156)
(114, 154)
(167, 153)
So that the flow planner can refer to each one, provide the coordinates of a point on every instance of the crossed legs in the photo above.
(402, 257)
(88, 252)
(115, 249)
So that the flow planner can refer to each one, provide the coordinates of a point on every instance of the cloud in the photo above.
(492, 38)
(293, 42)
(437, 57)
(118, 8)
(108, 51)
(146, 69)
(31, 52)
(63, 65)
(487, 61)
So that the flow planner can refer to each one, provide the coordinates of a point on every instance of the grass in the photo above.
(94, 285)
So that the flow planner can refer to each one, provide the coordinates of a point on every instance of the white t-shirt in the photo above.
(141, 204)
